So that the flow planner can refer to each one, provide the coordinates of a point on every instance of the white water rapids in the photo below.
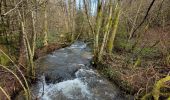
(68, 88)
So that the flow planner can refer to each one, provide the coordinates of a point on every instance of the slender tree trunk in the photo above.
(88, 18)
(73, 20)
(23, 56)
(30, 71)
(22, 52)
(106, 31)
(30, 58)
(27, 46)
(98, 26)
(34, 34)
(45, 42)
(114, 29)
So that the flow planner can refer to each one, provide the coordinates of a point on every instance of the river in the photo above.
(67, 74)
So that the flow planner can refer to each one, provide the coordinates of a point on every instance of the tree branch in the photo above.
(16, 6)
(147, 13)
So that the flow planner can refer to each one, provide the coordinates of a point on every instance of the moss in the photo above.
(3, 59)
(158, 85)
(156, 92)
(137, 62)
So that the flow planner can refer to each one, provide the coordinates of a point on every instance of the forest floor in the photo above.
(136, 73)
(137, 80)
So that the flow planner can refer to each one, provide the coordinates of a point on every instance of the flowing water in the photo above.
(66, 74)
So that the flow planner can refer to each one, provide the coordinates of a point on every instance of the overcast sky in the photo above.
(79, 4)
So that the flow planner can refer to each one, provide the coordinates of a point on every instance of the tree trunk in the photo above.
(22, 51)
(34, 34)
(45, 41)
(98, 26)
(114, 29)
(87, 14)
(73, 20)
(106, 32)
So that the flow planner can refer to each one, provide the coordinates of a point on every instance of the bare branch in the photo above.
(146, 15)
(16, 6)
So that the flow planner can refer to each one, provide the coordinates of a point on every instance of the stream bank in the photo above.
(13, 87)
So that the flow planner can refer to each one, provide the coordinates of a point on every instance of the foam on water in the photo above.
(85, 73)
(67, 88)
(78, 45)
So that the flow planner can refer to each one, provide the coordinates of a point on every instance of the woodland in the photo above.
(130, 41)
